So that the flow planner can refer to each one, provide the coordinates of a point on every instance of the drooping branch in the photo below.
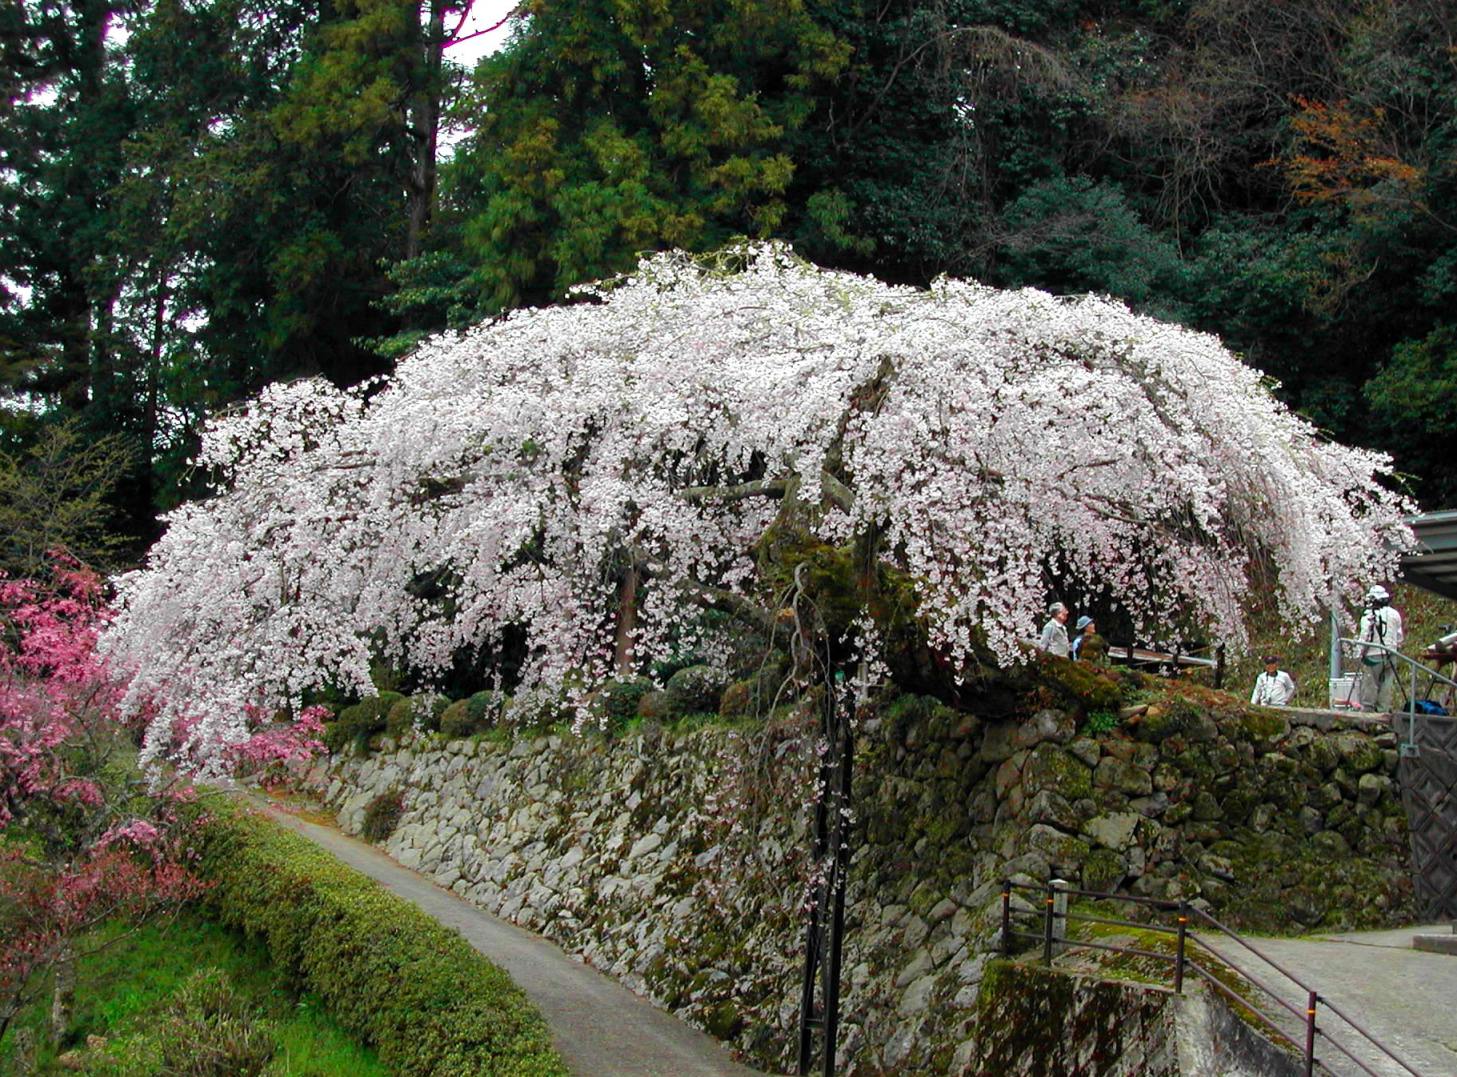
(736, 605)
(738, 492)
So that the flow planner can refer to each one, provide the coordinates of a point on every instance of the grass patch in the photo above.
(128, 978)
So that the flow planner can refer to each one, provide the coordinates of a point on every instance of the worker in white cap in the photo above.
(1380, 633)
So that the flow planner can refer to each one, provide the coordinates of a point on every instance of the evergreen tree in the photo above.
(607, 128)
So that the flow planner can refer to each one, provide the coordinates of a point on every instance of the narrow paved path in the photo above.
(600, 1027)
(1403, 997)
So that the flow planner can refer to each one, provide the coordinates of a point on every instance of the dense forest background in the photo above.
(201, 196)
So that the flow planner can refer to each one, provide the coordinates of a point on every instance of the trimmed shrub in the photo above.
(696, 688)
(616, 701)
(360, 721)
(382, 815)
(658, 706)
(337, 736)
(539, 709)
(430, 720)
(401, 718)
(392, 976)
(455, 720)
(484, 708)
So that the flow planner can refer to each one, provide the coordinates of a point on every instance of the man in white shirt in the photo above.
(1054, 632)
(1273, 688)
(1380, 625)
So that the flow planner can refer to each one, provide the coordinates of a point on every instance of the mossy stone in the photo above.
(1094, 688)
(1103, 870)
(1058, 771)
(1264, 725)
(1359, 753)
(1059, 848)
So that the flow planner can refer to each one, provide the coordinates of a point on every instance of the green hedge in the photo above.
(391, 975)
(361, 721)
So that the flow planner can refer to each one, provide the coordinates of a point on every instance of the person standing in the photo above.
(1274, 687)
(1054, 632)
(1380, 633)
(1088, 646)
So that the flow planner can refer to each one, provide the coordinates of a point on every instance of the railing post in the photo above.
(1310, 1034)
(1050, 901)
(1006, 917)
(1179, 954)
(1059, 914)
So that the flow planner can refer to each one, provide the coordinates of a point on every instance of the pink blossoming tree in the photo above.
(84, 836)
(593, 474)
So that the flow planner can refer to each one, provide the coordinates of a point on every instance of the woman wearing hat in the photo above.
(1088, 646)
(1273, 688)
(1380, 628)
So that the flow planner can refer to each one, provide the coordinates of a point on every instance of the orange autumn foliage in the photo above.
(1348, 157)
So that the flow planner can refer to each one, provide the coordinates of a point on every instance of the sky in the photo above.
(483, 14)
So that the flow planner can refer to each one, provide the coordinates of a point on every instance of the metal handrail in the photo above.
(1409, 745)
(1181, 960)
(1394, 653)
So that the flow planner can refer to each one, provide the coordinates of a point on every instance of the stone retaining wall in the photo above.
(674, 860)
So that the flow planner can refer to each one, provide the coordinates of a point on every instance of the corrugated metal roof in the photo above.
(1433, 566)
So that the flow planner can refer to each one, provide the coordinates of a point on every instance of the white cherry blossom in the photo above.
(521, 464)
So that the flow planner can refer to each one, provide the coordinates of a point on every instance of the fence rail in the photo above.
(1053, 897)
(1414, 669)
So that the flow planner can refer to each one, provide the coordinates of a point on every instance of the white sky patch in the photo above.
(483, 14)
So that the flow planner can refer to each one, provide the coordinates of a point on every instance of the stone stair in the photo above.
(1436, 942)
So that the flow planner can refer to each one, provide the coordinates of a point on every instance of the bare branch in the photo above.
(837, 491)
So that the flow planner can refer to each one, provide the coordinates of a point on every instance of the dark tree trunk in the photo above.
(424, 124)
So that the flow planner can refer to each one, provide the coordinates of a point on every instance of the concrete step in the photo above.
(1435, 944)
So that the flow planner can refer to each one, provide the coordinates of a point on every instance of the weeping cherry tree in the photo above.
(590, 476)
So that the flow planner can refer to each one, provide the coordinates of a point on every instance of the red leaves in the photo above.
(94, 843)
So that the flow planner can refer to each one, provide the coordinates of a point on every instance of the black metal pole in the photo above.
(838, 880)
(1310, 1034)
(1179, 955)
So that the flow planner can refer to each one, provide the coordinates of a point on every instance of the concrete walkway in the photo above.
(1402, 997)
(600, 1027)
